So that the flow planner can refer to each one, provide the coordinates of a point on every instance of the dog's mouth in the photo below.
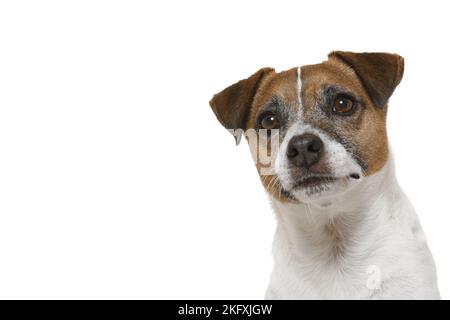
(313, 185)
(314, 181)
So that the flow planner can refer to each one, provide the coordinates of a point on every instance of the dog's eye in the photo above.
(270, 121)
(343, 105)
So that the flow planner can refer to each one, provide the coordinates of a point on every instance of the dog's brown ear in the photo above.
(232, 105)
(379, 72)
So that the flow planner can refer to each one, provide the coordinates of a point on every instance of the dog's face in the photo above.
(328, 119)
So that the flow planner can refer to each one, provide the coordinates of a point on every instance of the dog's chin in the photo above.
(320, 189)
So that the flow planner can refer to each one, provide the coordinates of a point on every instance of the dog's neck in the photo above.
(331, 227)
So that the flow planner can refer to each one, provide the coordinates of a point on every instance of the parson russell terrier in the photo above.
(345, 228)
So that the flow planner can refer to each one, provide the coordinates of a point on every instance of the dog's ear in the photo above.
(232, 105)
(379, 72)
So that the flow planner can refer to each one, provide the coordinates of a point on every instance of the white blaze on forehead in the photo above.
(299, 94)
(281, 162)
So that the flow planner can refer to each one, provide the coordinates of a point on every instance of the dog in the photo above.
(345, 229)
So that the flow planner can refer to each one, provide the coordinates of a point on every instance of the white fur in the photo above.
(299, 94)
(332, 251)
(341, 163)
(356, 239)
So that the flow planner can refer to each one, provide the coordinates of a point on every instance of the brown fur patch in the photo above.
(282, 85)
(363, 133)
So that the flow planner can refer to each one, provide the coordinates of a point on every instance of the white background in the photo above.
(116, 180)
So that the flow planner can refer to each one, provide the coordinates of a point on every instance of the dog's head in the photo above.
(322, 126)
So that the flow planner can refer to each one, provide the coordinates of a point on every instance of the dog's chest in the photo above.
(394, 266)
(327, 273)
(308, 282)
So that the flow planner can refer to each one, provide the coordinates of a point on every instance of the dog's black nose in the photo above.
(304, 150)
